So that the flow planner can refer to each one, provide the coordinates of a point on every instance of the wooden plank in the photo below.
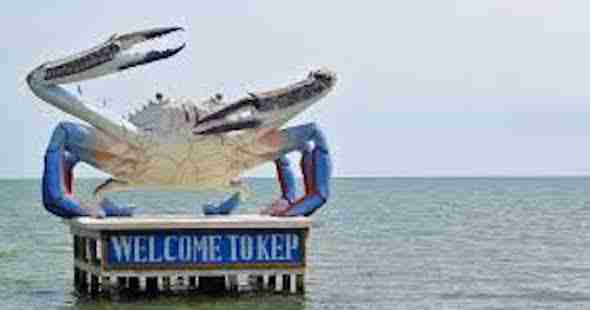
(164, 222)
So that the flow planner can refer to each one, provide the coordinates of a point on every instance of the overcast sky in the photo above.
(427, 88)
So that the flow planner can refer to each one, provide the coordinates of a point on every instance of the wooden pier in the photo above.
(175, 254)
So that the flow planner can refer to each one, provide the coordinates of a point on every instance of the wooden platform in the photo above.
(155, 254)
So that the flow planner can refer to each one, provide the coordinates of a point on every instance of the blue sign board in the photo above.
(205, 247)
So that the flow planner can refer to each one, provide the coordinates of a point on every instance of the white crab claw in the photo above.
(106, 58)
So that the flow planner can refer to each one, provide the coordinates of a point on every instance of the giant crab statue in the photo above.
(177, 144)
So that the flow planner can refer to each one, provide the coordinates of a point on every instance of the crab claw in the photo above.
(109, 57)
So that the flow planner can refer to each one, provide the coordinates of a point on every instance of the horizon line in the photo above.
(490, 176)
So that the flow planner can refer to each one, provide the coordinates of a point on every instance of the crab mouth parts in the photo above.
(112, 56)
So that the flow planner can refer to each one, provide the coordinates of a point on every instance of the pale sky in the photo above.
(427, 88)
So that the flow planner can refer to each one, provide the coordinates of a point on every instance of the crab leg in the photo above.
(286, 178)
(70, 144)
(315, 165)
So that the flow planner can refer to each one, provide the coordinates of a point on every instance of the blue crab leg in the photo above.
(70, 144)
(224, 208)
(286, 178)
(316, 167)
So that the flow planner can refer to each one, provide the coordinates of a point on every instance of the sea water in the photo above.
(399, 243)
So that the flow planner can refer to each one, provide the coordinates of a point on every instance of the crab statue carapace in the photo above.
(177, 144)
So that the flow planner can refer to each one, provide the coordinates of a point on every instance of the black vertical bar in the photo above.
(272, 282)
(165, 284)
(77, 279)
(76, 242)
(259, 282)
(300, 283)
(121, 283)
(192, 282)
(83, 252)
(286, 283)
(134, 284)
(93, 251)
(151, 285)
(93, 285)
(83, 282)
(212, 284)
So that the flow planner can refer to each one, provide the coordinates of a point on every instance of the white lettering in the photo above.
(167, 255)
(185, 248)
(292, 244)
(214, 248)
(261, 251)
(200, 246)
(233, 247)
(246, 247)
(139, 249)
(122, 247)
(276, 247)
(152, 251)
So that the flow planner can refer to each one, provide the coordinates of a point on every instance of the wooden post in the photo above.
(293, 283)
(278, 283)
(301, 283)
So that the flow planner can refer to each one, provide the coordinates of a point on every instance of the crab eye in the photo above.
(246, 114)
(242, 115)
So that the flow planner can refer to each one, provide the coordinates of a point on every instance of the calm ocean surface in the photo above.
(402, 243)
